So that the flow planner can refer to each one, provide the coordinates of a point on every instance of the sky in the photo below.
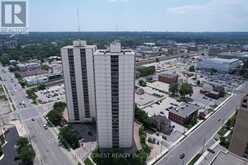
(139, 15)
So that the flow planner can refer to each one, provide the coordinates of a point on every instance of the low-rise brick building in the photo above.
(183, 114)
(168, 78)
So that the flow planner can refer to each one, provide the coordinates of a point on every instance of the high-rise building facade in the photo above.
(239, 142)
(79, 81)
(114, 85)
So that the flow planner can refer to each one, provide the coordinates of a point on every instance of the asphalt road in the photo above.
(196, 141)
(49, 151)
(44, 142)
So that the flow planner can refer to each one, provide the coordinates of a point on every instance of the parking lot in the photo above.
(51, 94)
(229, 81)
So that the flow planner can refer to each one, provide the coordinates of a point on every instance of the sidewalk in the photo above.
(20, 128)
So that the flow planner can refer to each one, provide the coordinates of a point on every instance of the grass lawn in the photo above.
(222, 131)
(193, 161)
(88, 162)
(1, 89)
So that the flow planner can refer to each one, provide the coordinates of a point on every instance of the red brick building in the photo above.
(184, 114)
(168, 78)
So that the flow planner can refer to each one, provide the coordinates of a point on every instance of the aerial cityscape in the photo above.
(124, 82)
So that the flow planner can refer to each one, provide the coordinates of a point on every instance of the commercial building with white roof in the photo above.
(219, 64)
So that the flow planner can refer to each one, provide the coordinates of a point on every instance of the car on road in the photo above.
(181, 156)
(211, 151)
(164, 137)
(45, 126)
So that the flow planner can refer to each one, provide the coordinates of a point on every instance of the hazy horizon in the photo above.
(139, 31)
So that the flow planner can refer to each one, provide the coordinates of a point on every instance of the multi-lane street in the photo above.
(45, 143)
(185, 150)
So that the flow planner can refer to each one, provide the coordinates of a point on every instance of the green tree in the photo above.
(55, 116)
(68, 136)
(59, 105)
(18, 76)
(26, 154)
(45, 67)
(22, 141)
(198, 82)
(231, 122)
(142, 117)
(142, 135)
(192, 68)
(4, 59)
(173, 89)
(31, 94)
(224, 141)
(41, 86)
(185, 89)
(213, 71)
(146, 71)
(25, 151)
(142, 83)
(86, 162)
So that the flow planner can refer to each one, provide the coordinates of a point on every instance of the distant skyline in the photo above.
(139, 15)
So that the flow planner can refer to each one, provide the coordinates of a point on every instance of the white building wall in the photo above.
(67, 80)
(103, 100)
(104, 104)
(126, 100)
(78, 72)
(79, 84)
(91, 80)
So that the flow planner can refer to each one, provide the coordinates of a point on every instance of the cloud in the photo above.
(235, 6)
(218, 15)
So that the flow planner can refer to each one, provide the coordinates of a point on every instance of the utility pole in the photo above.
(78, 21)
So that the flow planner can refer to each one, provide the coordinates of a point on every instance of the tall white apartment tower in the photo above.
(79, 81)
(114, 85)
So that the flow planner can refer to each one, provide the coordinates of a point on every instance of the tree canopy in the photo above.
(25, 151)
(173, 89)
(68, 137)
(185, 89)
(55, 116)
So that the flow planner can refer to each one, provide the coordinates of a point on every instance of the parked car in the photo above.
(45, 126)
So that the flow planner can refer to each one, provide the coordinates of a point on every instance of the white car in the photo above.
(45, 126)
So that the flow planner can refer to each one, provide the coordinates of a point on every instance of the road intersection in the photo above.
(31, 116)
